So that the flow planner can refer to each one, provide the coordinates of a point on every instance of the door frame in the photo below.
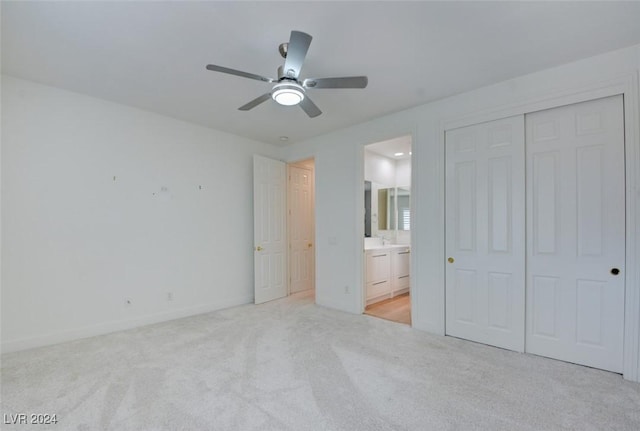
(359, 288)
(627, 86)
(288, 220)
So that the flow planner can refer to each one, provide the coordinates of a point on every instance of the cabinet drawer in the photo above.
(378, 289)
(402, 282)
(401, 262)
(378, 267)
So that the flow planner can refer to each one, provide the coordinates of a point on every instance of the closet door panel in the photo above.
(485, 233)
(576, 227)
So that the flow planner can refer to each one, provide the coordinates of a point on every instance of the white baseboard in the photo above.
(400, 292)
(378, 298)
(118, 325)
(430, 327)
(335, 306)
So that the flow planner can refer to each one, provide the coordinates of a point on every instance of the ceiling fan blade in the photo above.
(343, 82)
(215, 68)
(309, 107)
(255, 102)
(296, 52)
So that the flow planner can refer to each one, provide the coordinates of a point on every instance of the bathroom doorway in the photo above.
(301, 227)
(387, 238)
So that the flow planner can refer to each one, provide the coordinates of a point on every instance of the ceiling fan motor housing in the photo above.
(283, 48)
(289, 74)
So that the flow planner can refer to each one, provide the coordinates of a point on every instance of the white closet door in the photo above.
(576, 233)
(485, 230)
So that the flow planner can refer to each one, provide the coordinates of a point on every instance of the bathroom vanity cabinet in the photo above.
(387, 272)
(400, 267)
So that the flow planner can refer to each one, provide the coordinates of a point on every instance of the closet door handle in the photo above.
(615, 271)
(450, 260)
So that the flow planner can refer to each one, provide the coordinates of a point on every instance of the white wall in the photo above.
(403, 179)
(403, 173)
(379, 169)
(385, 171)
(339, 176)
(76, 243)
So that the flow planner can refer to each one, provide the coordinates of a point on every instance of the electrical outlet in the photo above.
(169, 296)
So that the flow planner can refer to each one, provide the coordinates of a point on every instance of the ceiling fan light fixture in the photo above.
(288, 93)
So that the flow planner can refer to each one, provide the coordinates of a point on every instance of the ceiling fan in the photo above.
(289, 89)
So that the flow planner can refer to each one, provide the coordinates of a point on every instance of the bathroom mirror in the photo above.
(403, 199)
(391, 209)
(385, 208)
(367, 209)
(394, 212)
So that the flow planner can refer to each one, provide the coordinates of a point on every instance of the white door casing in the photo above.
(301, 229)
(576, 233)
(269, 229)
(485, 228)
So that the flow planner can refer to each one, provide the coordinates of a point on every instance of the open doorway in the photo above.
(387, 239)
(301, 227)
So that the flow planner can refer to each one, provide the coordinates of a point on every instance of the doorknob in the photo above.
(258, 248)
(309, 245)
(450, 260)
(615, 271)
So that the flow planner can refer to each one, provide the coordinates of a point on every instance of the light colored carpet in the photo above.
(291, 365)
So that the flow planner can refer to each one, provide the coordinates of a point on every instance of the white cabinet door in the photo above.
(485, 233)
(576, 233)
(269, 206)
(378, 269)
(379, 266)
(401, 269)
(378, 290)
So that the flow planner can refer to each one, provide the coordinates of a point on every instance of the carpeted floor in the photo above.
(291, 365)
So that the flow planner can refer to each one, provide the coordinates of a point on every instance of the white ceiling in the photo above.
(152, 55)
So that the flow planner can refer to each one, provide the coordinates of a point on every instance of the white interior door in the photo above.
(301, 229)
(485, 233)
(576, 233)
(269, 222)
